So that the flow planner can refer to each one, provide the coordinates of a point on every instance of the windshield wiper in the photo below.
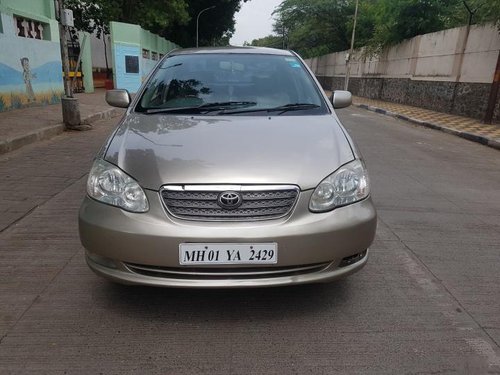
(207, 107)
(281, 108)
(293, 107)
(225, 105)
(172, 109)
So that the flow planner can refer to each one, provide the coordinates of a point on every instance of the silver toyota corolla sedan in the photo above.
(230, 168)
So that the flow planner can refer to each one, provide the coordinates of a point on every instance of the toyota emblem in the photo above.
(229, 200)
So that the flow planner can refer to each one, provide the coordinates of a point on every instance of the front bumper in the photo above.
(124, 275)
(122, 238)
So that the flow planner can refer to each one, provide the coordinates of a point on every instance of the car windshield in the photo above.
(224, 83)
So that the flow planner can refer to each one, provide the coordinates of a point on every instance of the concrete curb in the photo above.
(11, 144)
(486, 141)
(103, 115)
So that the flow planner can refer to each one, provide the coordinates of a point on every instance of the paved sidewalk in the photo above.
(464, 127)
(21, 127)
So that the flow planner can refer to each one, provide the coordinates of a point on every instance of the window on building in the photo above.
(145, 53)
(28, 28)
(132, 64)
(1, 27)
(154, 56)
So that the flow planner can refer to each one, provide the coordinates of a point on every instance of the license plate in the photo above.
(228, 253)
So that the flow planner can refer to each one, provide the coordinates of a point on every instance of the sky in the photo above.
(254, 20)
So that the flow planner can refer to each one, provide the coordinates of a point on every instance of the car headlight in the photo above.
(109, 184)
(348, 184)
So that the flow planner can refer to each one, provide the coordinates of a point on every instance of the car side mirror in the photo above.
(118, 98)
(341, 99)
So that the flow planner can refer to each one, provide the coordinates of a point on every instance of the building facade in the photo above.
(30, 57)
(135, 52)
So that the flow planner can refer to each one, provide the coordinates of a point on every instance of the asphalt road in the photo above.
(427, 302)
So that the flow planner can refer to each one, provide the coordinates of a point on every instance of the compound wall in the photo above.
(448, 71)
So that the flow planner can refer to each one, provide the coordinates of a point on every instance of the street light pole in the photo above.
(198, 22)
(348, 67)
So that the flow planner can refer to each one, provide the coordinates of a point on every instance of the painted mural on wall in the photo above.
(30, 73)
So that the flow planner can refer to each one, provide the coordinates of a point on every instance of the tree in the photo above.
(482, 11)
(92, 16)
(216, 25)
(317, 27)
(314, 27)
(173, 19)
(271, 41)
(153, 15)
(403, 19)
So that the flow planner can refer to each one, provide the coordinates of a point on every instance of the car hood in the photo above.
(167, 149)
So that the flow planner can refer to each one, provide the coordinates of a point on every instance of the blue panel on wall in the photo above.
(124, 80)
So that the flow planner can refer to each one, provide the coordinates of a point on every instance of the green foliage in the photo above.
(403, 19)
(271, 41)
(481, 11)
(92, 15)
(216, 25)
(3, 105)
(173, 19)
(153, 15)
(316, 27)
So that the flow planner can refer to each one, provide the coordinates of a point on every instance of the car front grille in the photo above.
(219, 273)
(256, 202)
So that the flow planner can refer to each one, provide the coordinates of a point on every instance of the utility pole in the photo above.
(349, 56)
(490, 110)
(69, 104)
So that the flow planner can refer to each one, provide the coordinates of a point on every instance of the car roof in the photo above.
(233, 50)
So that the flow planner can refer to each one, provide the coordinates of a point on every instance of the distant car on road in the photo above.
(229, 169)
